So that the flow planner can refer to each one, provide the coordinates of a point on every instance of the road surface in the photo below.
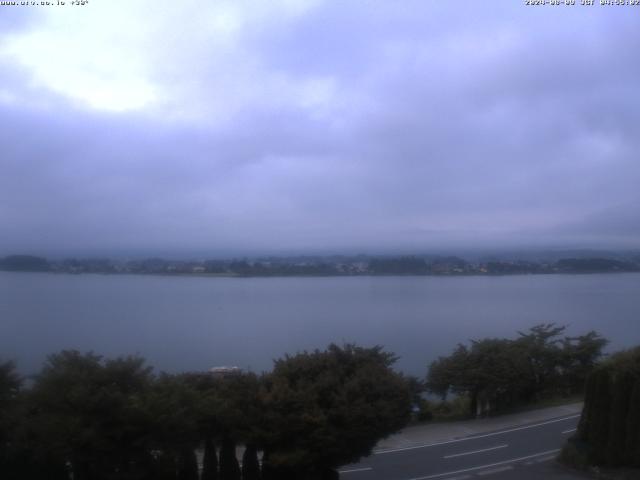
(520, 452)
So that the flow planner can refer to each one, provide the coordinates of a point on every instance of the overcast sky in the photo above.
(303, 125)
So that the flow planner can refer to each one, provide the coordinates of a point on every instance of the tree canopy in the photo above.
(500, 373)
(106, 419)
(609, 429)
(327, 408)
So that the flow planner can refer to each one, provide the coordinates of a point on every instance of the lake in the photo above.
(194, 323)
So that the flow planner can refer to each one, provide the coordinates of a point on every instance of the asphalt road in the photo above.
(522, 452)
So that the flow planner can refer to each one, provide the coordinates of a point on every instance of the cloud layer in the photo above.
(306, 125)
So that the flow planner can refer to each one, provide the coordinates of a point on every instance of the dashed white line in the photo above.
(481, 467)
(569, 431)
(540, 460)
(393, 450)
(353, 470)
(476, 451)
(496, 470)
(545, 459)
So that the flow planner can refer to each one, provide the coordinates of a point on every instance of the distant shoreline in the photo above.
(363, 275)
(336, 266)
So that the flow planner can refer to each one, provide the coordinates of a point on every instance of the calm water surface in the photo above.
(181, 323)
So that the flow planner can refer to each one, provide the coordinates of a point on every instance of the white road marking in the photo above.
(353, 470)
(393, 450)
(545, 459)
(569, 431)
(481, 467)
(496, 470)
(475, 451)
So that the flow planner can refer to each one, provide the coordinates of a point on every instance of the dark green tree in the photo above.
(171, 409)
(84, 413)
(327, 408)
(489, 373)
(599, 437)
(632, 444)
(207, 416)
(622, 388)
(10, 383)
(579, 355)
(448, 374)
(610, 419)
(229, 413)
(543, 358)
(497, 374)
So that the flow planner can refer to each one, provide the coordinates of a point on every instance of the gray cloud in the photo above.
(357, 126)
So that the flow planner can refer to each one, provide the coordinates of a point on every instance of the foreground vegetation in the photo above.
(498, 374)
(102, 419)
(609, 431)
(105, 419)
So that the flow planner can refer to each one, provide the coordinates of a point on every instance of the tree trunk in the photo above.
(229, 467)
(267, 470)
(271, 472)
(602, 405)
(164, 467)
(632, 447)
(209, 461)
(473, 407)
(250, 464)
(188, 465)
(622, 388)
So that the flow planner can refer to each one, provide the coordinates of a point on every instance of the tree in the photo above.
(21, 458)
(327, 408)
(228, 412)
(543, 358)
(84, 413)
(489, 373)
(171, 408)
(447, 374)
(206, 416)
(500, 373)
(10, 384)
(620, 404)
(240, 414)
(632, 444)
(610, 419)
(579, 356)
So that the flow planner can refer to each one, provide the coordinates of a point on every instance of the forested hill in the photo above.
(324, 266)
